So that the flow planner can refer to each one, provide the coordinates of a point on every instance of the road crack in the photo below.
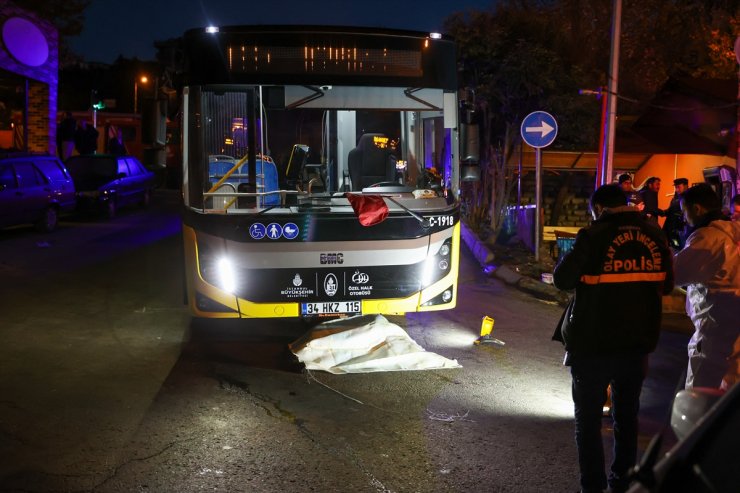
(273, 408)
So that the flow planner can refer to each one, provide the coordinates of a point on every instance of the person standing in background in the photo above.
(735, 208)
(66, 134)
(649, 193)
(116, 145)
(633, 197)
(86, 138)
(674, 226)
(709, 265)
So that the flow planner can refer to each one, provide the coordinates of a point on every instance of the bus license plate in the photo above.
(329, 307)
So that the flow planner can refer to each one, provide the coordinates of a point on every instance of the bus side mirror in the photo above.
(470, 172)
(469, 142)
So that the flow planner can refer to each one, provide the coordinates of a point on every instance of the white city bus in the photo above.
(282, 126)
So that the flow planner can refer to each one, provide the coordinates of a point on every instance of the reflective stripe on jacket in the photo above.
(620, 267)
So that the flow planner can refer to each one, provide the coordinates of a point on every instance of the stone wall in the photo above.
(567, 190)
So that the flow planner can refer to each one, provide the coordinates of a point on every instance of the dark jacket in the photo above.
(674, 226)
(620, 267)
(651, 210)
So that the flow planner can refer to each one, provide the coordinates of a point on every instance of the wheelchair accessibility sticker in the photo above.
(257, 231)
(273, 231)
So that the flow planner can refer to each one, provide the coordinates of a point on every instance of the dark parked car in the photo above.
(106, 183)
(34, 189)
(705, 458)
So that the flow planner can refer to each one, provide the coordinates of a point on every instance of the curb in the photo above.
(485, 258)
(480, 250)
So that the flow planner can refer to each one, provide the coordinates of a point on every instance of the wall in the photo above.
(33, 54)
(574, 200)
(670, 166)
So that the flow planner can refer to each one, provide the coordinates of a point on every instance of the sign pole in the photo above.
(538, 202)
(538, 130)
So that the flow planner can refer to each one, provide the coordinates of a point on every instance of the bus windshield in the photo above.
(304, 145)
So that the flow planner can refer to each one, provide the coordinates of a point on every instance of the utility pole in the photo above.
(737, 121)
(600, 93)
(607, 171)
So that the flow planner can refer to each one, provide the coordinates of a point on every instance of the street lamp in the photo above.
(143, 79)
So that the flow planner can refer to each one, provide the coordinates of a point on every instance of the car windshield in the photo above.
(87, 168)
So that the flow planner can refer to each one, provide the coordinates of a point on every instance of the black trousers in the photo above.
(591, 377)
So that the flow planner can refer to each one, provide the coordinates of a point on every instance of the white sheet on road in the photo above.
(363, 345)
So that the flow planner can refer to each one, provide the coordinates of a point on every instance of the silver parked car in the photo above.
(34, 189)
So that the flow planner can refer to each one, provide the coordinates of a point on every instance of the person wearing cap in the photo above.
(675, 226)
(633, 197)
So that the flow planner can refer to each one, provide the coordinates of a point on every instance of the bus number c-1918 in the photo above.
(441, 221)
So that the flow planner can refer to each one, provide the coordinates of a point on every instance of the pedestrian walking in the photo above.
(709, 267)
(620, 267)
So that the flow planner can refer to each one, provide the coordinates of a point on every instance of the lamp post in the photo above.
(143, 79)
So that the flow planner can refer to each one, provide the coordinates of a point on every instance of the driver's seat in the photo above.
(369, 164)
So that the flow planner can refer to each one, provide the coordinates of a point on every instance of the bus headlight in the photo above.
(225, 273)
(435, 267)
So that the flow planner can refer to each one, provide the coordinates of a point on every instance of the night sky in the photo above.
(129, 27)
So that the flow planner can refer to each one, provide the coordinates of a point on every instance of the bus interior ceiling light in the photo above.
(226, 278)
(212, 29)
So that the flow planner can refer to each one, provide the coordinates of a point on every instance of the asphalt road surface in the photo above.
(106, 384)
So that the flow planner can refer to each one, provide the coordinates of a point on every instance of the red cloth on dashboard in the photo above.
(369, 209)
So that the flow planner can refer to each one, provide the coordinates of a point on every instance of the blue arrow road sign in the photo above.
(539, 129)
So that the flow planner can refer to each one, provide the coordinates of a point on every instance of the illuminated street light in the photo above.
(143, 79)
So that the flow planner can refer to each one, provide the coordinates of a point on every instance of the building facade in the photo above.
(29, 68)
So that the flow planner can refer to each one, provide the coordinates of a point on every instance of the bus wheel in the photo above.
(48, 221)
